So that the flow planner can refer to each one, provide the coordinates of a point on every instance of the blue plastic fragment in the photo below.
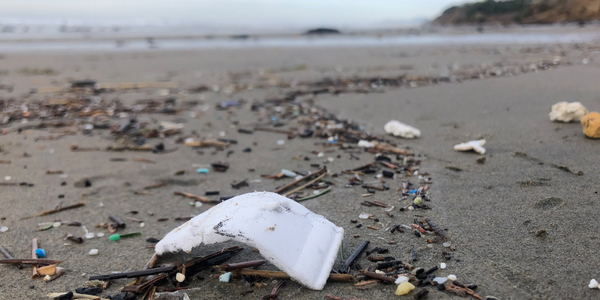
(41, 253)
(273, 118)
(412, 192)
(333, 142)
(203, 171)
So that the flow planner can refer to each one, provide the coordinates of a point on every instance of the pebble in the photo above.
(4, 229)
(142, 224)
(56, 224)
(180, 277)
(100, 234)
(593, 284)
(89, 235)
(93, 252)
(225, 277)
(404, 288)
(446, 244)
(7, 178)
(198, 204)
(364, 215)
(452, 277)
(442, 266)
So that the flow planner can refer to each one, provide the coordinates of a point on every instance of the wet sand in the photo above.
(491, 218)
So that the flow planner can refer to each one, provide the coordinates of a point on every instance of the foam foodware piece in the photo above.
(296, 240)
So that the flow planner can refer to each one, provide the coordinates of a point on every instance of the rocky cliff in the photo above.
(522, 11)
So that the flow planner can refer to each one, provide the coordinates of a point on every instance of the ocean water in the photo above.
(146, 35)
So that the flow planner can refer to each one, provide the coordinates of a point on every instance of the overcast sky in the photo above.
(234, 12)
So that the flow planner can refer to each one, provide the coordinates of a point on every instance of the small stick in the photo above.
(287, 186)
(8, 184)
(288, 132)
(354, 255)
(378, 276)
(283, 275)
(145, 160)
(149, 265)
(242, 265)
(438, 231)
(53, 211)
(5, 162)
(8, 256)
(54, 172)
(155, 185)
(340, 298)
(134, 273)
(120, 224)
(323, 192)
(76, 148)
(199, 198)
(304, 186)
(30, 261)
(275, 291)
(34, 246)
(75, 296)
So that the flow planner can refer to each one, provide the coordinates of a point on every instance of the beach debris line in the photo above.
(476, 145)
(281, 233)
(567, 112)
(591, 125)
(397, 128)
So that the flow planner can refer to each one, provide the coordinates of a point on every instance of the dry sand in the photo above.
(491, 218)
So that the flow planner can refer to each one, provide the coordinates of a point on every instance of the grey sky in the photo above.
(234, 12)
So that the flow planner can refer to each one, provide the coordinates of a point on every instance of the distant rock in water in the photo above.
(322, 31)
(522, 12)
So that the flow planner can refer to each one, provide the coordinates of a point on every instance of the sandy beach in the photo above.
(523, 228)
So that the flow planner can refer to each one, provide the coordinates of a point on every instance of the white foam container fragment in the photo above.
(287, 234)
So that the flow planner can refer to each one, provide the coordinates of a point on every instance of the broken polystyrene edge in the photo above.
(567, 112)
(476, 145)
(397, 128)
(287, 234)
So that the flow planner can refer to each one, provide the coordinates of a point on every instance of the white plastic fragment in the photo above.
(288, 173)
(180, 277)
(142, 225)
(7, 178)
(567, 112)
(89, 235)
(364, 215)
(93, 252)
(401, 279)
(225, 277)
(476, 146)
(56, 224)
(100, 234)
(397, 128)
(440, 280)
(452, 277)
(366, 144)
(4, 229)
(303, 244)
(593, 284)
(442, 266)
(280, 142)
(446, 244)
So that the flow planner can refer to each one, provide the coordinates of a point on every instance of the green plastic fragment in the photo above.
(115, 237)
